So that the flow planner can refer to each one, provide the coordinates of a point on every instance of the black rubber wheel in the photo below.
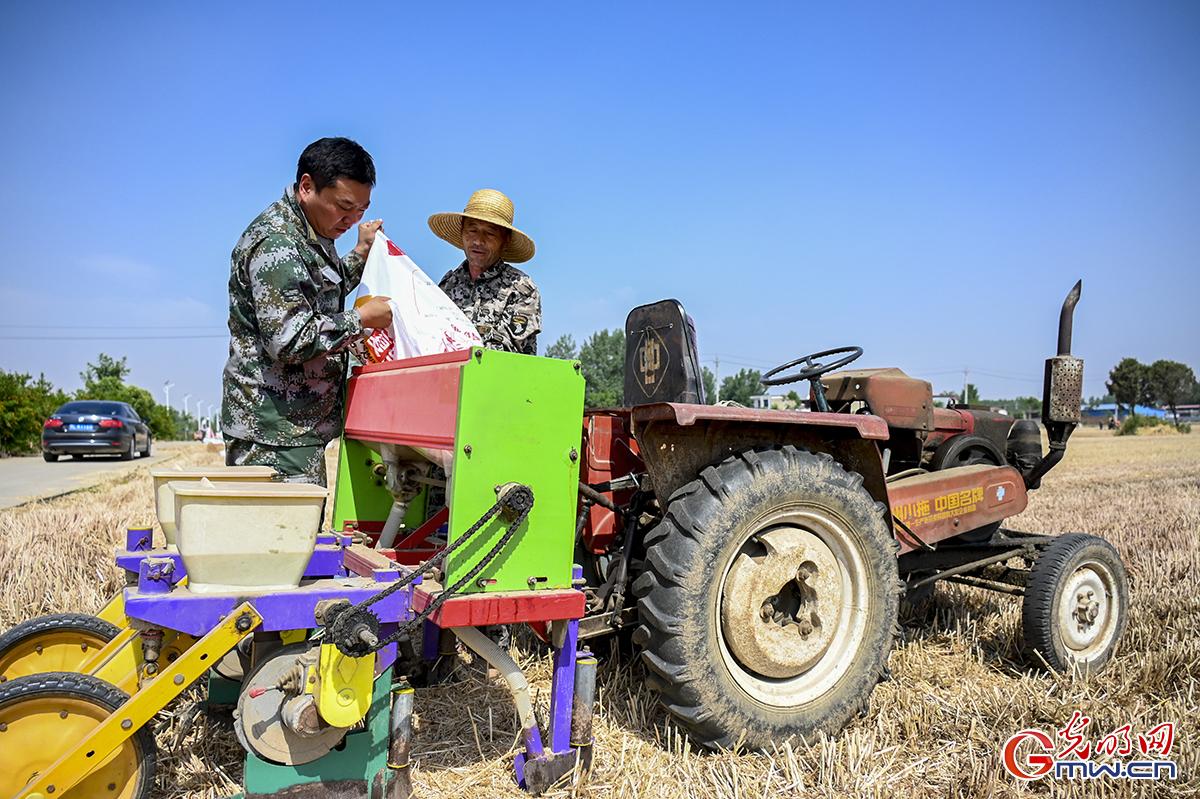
(76, 457)
(49, 457)
(129, 453)
(1076, 604)
(57, 709)
(57, 642)
(767, 602)
(149, 446)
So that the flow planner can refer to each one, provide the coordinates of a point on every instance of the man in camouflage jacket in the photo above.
(289, 329)
(501, 300)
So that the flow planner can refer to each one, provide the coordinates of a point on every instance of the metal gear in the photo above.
(355, 633)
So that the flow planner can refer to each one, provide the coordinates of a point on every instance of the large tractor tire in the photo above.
(767, 602)
(42, 714)
(1075, 606)
(57, 642)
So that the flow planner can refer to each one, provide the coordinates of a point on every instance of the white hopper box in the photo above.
(164, 503)
(234, 537)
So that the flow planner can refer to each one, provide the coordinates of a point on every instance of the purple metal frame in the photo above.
(562, 693)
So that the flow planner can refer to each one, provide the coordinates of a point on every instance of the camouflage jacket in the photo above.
(504, 305)
(288, 331)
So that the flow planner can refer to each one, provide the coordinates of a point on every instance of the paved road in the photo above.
(23, 479)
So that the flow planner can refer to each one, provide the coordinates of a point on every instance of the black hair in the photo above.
(326, 160)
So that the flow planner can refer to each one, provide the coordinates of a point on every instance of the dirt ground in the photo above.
(958, 686)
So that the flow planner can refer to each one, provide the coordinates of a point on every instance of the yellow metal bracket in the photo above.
(345, 688)
(293, 636)
(109, 651)
(80, 758)
(118, 662)
(114, 611)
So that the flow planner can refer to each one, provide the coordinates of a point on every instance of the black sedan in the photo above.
(95, 427)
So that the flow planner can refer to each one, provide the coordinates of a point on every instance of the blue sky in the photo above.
(925, 180)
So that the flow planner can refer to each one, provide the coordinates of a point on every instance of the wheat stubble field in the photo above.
(958, 687)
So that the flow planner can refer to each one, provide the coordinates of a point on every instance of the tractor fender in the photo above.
(678, 441)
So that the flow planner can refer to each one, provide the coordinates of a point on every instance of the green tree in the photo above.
(796, 398)
(742, 386)
(24, 407)
(603, 359)
(1171, 384)
(1129, 383)
(710, 385)
(105, 366)
(563, 348)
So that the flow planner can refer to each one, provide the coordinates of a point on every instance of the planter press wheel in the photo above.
(1075, 606)
(258, 719)
(768, 599)
(58, 642)
(41, 713)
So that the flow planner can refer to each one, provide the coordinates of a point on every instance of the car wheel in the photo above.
(128, 454)
(149, 446)
(49, 457)
(76, 457)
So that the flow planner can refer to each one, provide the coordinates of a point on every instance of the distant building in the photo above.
(774, 402)
(1099, 414)
(1188, 413)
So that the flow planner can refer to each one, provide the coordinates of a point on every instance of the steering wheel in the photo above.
(813, 370)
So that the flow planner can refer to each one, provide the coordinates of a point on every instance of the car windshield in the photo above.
(88, 407)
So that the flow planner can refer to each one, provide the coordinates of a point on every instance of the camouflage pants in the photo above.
(296, 464)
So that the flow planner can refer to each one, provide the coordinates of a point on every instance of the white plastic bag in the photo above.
(424, 320)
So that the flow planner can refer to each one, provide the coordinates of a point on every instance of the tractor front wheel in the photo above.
(767, 603)
(1076, 601)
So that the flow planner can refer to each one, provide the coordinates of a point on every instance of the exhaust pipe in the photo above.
(1066, 318)
(1062, 393)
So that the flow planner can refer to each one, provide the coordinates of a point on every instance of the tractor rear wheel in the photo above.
(43, 714)
(1075, 606)
(767, 602)
(57, 642)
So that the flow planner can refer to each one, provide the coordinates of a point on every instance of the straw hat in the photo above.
(487, 205)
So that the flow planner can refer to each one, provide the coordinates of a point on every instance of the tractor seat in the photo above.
(903, 402)
(661, 361)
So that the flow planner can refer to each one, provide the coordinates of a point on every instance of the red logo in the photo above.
(1076, 757)
(393, 249)
(1039, 764)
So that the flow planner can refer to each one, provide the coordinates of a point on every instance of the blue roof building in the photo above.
(1107, 409)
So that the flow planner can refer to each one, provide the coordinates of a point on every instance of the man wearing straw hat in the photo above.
(499, 299)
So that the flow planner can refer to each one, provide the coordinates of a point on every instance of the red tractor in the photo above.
(759, 556)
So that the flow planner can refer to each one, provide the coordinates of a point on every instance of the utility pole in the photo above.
(167, 392)
(186, 397)
(965, 371)
(717, 378)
